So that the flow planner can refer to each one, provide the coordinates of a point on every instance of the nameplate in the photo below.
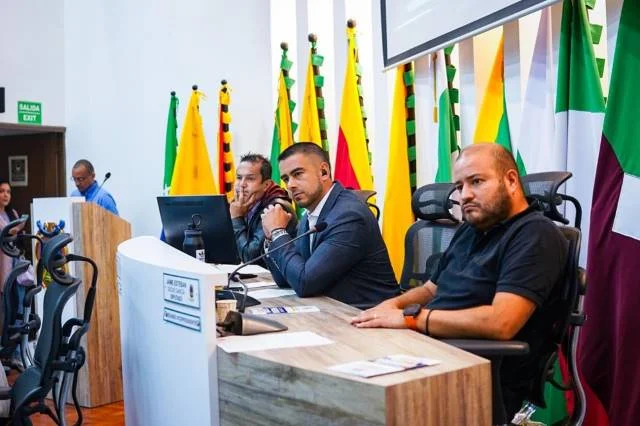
(182, 319)
(182, 290)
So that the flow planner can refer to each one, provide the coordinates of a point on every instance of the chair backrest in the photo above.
(567, 302)
(9, 242)
(430, 235)
(365, 195)
(543, 187)
(37, 380)
(10, 304)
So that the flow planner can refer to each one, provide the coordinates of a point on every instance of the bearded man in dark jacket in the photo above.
(254, 191)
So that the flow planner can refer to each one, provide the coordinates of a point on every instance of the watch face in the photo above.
(412, 310)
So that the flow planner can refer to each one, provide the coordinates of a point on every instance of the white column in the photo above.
(302, 52)
(468, 98)
(513, 87)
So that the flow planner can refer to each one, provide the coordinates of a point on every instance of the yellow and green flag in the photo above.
(313, 126)
(192, 173)
(493, 121)
(401, 177)
(284, 127)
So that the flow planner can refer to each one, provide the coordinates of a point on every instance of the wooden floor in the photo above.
(111, 414)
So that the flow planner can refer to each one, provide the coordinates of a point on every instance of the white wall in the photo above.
(32, 57)
(123, 58)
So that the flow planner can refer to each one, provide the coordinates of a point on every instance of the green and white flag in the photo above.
(579, 108)
(436, 139)
(539, 150)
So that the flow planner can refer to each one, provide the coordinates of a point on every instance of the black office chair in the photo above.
(58, 354)
(428, 238)
(543, 187)
(365, 195)
(19, 320)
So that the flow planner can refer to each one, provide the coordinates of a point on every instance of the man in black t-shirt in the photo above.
(499, 277)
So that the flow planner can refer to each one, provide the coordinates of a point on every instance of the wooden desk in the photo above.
(294, 386)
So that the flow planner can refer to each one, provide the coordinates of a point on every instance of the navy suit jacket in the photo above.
(348, 261)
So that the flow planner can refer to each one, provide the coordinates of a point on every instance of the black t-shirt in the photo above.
(525, 255)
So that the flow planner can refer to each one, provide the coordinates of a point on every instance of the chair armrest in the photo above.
(490, 347)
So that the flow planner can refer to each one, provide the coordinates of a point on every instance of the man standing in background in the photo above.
(84, 176)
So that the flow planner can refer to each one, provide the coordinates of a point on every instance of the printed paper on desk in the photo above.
(270, 310)
(263, 342)
(385, 365)
(268, 293)
(365, 369)
(250, 269)
(406, 361)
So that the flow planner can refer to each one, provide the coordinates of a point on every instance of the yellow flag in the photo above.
(192, 173)
(397, 216)
(352, 166)
(309, 120)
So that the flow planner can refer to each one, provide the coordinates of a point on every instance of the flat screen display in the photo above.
(411, 28)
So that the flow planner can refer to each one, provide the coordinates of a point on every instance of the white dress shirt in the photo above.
(315, 214)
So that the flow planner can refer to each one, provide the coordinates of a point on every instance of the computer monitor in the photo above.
(217, 231)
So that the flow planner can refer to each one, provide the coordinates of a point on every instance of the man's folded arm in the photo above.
(338, 252)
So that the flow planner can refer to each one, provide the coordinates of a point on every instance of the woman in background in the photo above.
(7, 214)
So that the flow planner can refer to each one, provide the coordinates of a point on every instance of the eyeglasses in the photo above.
(79, 179)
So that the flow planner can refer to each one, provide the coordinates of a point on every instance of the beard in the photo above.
(491, 212)
(311, 198)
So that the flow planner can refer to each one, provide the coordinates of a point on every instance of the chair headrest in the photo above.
(433, 202)
(54, 260)
(543, 187)
(364, 194)
(8, 241)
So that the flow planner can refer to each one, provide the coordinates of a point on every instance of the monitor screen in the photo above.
(414, 28)
(217, 232)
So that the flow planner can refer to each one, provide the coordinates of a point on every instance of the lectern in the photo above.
(96, 233)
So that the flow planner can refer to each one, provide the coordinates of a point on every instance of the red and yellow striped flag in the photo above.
(353, 165)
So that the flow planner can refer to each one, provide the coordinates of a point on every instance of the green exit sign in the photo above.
(29, 112)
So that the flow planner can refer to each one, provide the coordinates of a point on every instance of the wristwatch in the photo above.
(411, 313)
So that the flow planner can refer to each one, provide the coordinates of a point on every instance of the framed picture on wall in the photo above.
(18, 170)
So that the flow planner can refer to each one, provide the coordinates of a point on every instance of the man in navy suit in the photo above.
(348, 261)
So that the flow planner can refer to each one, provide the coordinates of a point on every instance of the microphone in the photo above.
(320, 226)
(106, 178)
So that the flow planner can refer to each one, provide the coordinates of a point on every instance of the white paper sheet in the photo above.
(263, 342)
(384, 365)
(268, 293)
(275, 310)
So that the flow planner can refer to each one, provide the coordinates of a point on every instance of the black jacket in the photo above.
(248, 230)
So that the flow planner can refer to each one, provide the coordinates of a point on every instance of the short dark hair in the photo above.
(306, 148)
(265, 165)
(85, 163)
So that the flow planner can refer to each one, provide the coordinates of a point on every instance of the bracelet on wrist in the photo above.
(426, 325)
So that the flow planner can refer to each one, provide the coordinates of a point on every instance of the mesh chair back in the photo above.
(10, 302)
(567, 296)
(8, 242)
(543, 187)
(37, 380)
(429, 237)
(433, 202)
